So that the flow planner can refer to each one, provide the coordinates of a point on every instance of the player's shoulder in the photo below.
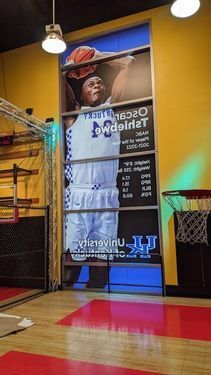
(108, 101)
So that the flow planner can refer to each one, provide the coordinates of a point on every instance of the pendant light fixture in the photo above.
(53, 42)
(184, 8)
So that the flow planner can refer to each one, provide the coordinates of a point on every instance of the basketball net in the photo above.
(192, 215)
(192, 226)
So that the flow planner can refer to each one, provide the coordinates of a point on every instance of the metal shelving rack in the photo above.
(43, 131)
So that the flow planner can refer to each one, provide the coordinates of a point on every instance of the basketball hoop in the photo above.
(192, 208)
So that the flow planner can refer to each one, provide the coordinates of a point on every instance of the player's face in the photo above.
(93, 92)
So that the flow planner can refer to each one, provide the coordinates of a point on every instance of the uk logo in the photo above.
(138, 248)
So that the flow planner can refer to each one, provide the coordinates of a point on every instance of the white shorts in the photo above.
(98, 226)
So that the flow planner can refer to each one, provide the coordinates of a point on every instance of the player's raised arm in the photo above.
(120, 83)
(68, 101)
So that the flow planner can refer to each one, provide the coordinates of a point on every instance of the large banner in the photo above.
(125, 182)
(132, 38)
(124, 78)
(120, 131)
(110, 168)
(129, 243)
(136, 181)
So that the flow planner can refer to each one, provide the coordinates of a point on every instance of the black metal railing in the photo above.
(24, 248)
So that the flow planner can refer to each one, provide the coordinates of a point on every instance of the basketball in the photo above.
(81, 54)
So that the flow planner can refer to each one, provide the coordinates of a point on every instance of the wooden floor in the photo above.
(138, 351)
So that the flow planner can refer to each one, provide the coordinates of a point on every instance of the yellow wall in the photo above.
(183, 93)
(182, 60)
(31, 79)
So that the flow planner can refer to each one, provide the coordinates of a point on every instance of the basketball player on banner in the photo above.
(92, 185)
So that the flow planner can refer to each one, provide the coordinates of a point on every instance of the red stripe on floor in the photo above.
(17, 363)
(7, 292)
(147, 318)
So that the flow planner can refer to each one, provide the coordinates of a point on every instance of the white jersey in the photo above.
(93, 183)
(90, 137)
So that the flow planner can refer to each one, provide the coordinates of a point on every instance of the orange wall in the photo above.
(182, 60)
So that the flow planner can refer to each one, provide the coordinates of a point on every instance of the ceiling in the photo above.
(23, 22)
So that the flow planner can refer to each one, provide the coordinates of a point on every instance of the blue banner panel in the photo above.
(115, 42)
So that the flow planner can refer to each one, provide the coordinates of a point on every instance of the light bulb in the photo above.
(184, 8)
(53, 43)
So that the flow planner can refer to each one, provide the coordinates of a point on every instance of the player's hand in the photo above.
(82, 72)
(81, 55)
(97, 54)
